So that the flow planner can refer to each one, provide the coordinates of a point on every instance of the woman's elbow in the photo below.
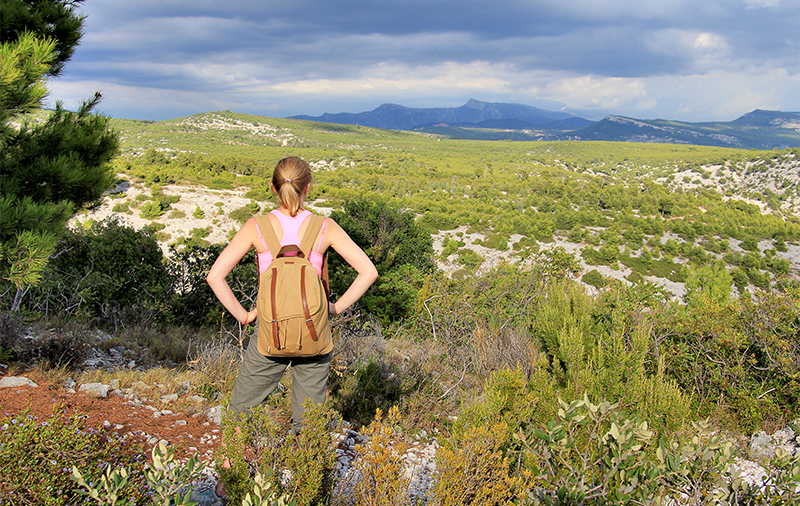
(372, 275)
(212, 278)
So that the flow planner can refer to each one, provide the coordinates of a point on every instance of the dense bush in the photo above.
(110, 271)
(739, 358)
(257, 441)
(193, 302)
(400, 249)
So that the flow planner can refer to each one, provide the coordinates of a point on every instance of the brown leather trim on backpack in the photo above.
(310, 323)
(325, 283)
(274, 310)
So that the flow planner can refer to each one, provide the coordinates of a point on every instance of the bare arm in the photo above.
(358, 260)
(227, 260)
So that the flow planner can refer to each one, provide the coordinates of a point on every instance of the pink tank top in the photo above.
(291, 235)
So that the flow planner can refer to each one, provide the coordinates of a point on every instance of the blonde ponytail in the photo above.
(291, 177)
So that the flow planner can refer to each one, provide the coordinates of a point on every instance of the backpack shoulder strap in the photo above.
(268, 234)
(312, 230)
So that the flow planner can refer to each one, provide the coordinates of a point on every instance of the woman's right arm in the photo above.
(358, 260)
(227, 260)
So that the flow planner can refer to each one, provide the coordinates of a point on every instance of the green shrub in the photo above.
(594, 279)
(391, 238)
(193, 303)
(359, 394)
(36, 459)
(152, 210)
(167, 481)
(590, 455)
(737, 357)
(121, 207)
(245, 212)
(257, 440)
(110, 271)
(198, 213)
(469, 258)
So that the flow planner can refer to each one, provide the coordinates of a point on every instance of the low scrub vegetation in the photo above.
(536, 392)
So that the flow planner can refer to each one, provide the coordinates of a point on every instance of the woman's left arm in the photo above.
(227, 260)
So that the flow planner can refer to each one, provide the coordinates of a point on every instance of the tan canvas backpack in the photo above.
(292, 299)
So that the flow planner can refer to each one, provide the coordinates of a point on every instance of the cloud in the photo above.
(312, 56)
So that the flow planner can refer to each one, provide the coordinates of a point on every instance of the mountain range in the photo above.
(478, 120)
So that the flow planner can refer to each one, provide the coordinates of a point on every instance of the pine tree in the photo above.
(52, 169)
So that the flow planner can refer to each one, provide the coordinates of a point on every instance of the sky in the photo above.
(688, 60)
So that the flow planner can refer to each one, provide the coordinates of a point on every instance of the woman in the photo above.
(259, 374)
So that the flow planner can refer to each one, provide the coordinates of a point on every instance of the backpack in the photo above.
(292, 300)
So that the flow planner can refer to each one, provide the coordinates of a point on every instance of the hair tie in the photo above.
(287, 180)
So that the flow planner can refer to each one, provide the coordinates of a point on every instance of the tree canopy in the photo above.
(51, 169)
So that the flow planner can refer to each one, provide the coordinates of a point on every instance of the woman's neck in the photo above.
(285, 211)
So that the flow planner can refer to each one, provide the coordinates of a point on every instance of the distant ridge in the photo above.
(759, 129)
(398, 117)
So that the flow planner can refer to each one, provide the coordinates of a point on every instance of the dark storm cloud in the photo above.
(242, 47)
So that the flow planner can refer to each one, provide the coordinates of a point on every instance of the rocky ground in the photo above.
(196, 431)
(180, 220)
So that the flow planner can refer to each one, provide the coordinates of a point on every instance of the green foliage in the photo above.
(198, 213)
(507, 399)
(590, 455)
(709, 282)
(193, 302)
(602, 346)
(107, 271)
(37, 457)
(360, 393)
(23, 65)
(245, 212)
(469, 258)
(167, 480)
(738, 357)
(152, 210)
(594, 278)
(309, 456)
(56, 20)
(48, 170)
(72, 152)
(122, 207)
(391, 239)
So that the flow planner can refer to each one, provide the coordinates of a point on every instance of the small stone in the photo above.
(16, 381)
(215, 414)
(98, 390)
(179, 422)
(166, 399)
(183, 388)
(70, 384)
(139, 386)
(113, 384)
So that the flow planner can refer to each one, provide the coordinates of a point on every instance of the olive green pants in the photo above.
(259, 376)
